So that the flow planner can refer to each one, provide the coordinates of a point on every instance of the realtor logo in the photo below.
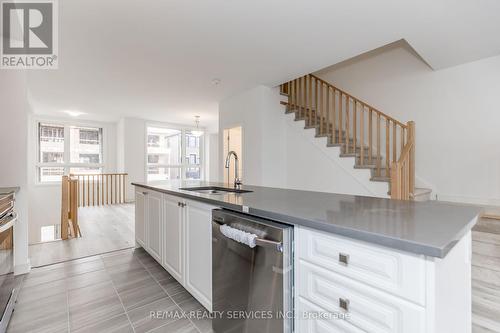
(29, 34)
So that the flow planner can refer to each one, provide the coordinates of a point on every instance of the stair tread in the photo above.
(314, 120)
(419, 191)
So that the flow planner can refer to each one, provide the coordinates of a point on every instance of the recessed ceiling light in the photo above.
(215, 82)
(74, 113)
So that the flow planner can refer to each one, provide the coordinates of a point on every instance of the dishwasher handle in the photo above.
(278, 246)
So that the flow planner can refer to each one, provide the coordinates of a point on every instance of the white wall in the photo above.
(456, 111)
(261, 117)
(13, 167)
(132, 136)
(278, 152)
(45, 199)
(212, 157)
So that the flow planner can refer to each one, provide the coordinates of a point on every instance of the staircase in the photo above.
(377, 141)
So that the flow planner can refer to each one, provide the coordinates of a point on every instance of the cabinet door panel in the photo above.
(154, 221)
(140, 215)
(198, 226)
(173, 236)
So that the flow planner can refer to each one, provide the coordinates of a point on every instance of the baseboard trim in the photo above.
(469, 200)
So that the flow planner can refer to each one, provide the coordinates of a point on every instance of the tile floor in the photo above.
(114, 292)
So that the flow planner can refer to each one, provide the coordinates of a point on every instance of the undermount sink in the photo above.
(214, 190)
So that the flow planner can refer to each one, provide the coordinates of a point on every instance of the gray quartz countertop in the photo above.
(429, 228)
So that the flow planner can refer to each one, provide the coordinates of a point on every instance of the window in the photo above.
(64, 149)
(89, 158)
(165, 150)
(89, 136)
(153, 140)
(52, 157)
(52, 133)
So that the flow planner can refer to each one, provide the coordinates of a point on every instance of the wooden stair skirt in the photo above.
(378, 141)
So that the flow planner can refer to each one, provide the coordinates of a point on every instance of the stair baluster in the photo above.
(328, 108)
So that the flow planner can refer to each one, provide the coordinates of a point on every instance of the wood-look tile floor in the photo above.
(486, 276)
(104, 229)
(113, 292)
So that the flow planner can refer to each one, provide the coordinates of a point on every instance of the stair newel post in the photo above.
(334, 117)
(327, 110)
(340, 117)
(411, 138)
(301, 96)
(290, 94)
(294, 94)
(304, 99)
(396, 181)
(303, 89)
(321, 108)
(347, 124)
(316, 98)
(394, 141)
(379, 159)
(387, 146)
(354, 126)
(370, 135)
(362, 135)
(309, 99)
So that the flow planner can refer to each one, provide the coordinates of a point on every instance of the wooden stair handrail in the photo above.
(361, 130)
(359, 101)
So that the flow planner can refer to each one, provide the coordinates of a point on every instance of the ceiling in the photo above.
(156, 59)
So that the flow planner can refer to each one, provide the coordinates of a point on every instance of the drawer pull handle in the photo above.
(344, 258)
(344, 304)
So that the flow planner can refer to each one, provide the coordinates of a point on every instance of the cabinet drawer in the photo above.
(401, 274)
(308, 320)
(370, 309)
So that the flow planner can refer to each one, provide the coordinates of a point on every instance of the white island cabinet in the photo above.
(378, 289)
(375, 289)
(178, 234)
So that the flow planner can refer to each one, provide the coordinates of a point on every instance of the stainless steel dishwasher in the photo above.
(252, 286)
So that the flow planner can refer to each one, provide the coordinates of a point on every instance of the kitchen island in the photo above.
(394, 266)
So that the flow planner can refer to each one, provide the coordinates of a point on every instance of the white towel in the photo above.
(239, 236)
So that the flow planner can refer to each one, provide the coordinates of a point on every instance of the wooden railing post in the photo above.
(64, 207)
(411, 138)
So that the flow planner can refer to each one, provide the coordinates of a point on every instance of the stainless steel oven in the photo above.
(8, 284)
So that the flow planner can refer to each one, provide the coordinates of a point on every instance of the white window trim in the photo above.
(182, 166)
(66, 123)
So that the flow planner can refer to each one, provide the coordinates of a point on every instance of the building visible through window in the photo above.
(173, 154)
(89, 136)
(64, 149)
